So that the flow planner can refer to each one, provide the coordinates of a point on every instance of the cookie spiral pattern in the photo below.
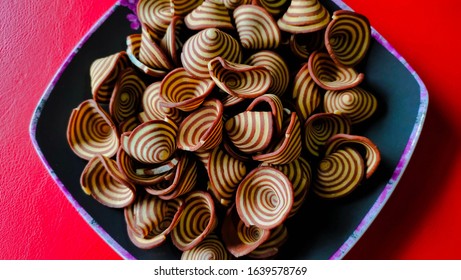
(339, 173)
(127, 96)
(274, 7)
(256, 28)
(304, 16)
(183, 7)
(277, 67)
(348, 37)
(355, 103)
(153, 109)
(153, 55)
(225, 174)
(240, 80)
(104, 72)
(152, 142)
(278, 236)
(91, 131)
(156, 14)
(372, 153)
(210, 13)
(264, 198)
(320, 127)
(271, 103)
(211, 248)
(207, 44)
(249, 131)
(182, 91)
(202, 129)
(331, 76)
(232, 4)
(196, 222)
(104, 182)
(306, 93)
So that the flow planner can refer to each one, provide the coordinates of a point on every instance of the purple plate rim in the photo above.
(359, 230)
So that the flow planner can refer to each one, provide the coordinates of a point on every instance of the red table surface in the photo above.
(420, 221)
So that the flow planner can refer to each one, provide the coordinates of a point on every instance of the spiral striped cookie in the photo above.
(207, 44)
(180, 90)
(304, 16)
(299, 173)
(91, 131)
(250, 132)
(225, 173)
(372, 153)
(127, 96)
(306, 94)
(183, 7)
(105, 183)
(278, 236)
(264, 198)
(288, 147)
(240, 80)
(152, 142)
(239, 239)
(210, 13)
(319, 127)
(157, 56)
(104, 73)
(271, 103)
(348, 37)
(156, 14)
(256, 27)
(331, 76)
(197, 221)
(152, 108)
(202, 129)
(274, 7)
(150, 220)
(355, 103)
(129, 124)
(211, 248)
(277, 67)
(339, 173)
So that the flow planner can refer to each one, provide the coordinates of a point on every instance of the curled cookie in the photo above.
(355, 103)
(182, 91)
(210, 13)
(151, 142)
(91, 131)
(197, 221)
(102, 180)
(127, 96)
(271, 103)
(306, 93)
(206, 45)
(257, 28)
(211, 248)
(202, 129)
(304, 16)
(339, 173)
(331, 76)
(239, 239)
(250, 132)
(104, 73)
(320, 127)
(150, 220)
(225, 173)
(372, 154)
(240, 80)
(264, 198)
(170, 42)
(348, 37)
(277, 67)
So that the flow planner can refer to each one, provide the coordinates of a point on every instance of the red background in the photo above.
(421, 220)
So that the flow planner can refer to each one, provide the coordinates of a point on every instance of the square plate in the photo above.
(330, 229)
